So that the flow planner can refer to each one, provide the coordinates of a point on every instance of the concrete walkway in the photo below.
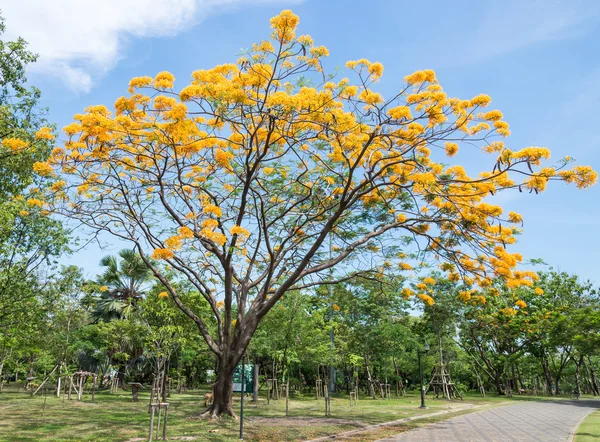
(550, 421)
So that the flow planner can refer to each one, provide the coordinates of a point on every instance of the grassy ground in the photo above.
(589, 430)
(114, 417)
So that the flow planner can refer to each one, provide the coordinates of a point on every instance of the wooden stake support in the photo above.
(319, 388)
(441, 383)
(156, 411)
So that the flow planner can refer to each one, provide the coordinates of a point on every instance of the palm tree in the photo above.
(122, 285)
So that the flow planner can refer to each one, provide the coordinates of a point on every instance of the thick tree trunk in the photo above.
(498, 383)
(222, 392)
(590, 367)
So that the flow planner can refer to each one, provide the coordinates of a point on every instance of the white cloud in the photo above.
(79, 40)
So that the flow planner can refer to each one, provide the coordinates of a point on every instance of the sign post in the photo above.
(243, 382)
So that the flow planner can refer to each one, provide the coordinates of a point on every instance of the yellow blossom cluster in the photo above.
(426, 299)
(240, 231)
(521, 304)
(14, 144)
(162, 254)
(44, 133)
(42, 168)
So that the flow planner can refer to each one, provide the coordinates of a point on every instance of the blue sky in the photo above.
(538, 60)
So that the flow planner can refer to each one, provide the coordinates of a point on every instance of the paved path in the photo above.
(550, 421)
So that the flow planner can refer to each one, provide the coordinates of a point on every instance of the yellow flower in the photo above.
(336, 307)
(376, 70)
(103, 288)
(509, 311)
(371, 98)
(481, 100)
(223, 158)
(514, 217)
(173, 243)
(185, 232)
(451, 148)
(238, 230)
(58, 186)
(14, 144)
(405, 266)
(429, 280)
(319, 51)
(163, 254)
(164, 80)
(209, 224)
(420, 77)
(520, 303)
(45, 133)
(406, 293)
(426, 299)
(305, 40)
(138, 82)
(163, 295)
(284, 26)
(539, 291)
(212, 209)
(464, 295)
(23, 213)
(400, 112)
(494, 115)
(42, 168)
(35, 202)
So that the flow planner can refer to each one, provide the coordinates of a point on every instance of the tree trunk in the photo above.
(590, 366)
(369, 378)
(577, 378)
(522, 385)
(498, 383)
(121, 376)
(255, 383)
(222, 392)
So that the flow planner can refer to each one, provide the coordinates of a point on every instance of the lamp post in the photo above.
(419, 353)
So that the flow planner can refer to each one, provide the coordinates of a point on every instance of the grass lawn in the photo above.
(114, 417)
(589, 430)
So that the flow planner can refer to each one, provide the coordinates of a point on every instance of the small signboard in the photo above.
(249, 378)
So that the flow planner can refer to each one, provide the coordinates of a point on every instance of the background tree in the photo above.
(28, 239)
(121, 285)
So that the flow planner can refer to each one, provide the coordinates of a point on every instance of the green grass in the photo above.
(589, 430)
(114, 417)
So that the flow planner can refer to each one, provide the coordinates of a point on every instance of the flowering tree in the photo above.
(265, 176)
